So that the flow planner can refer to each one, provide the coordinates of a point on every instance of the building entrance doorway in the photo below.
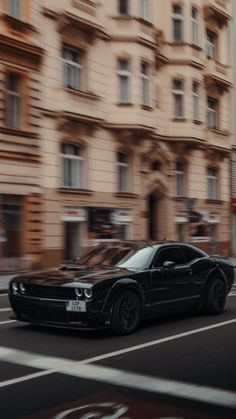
(72, 240)
(152, 217)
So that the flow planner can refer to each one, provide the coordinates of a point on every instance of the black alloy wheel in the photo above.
(126, 313)
(216, 296)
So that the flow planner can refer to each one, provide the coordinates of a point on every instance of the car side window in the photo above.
(173, 254)
(190, 254)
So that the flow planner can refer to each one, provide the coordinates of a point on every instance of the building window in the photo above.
(177, 23)
(14, 8)
(73, 68)
(211, 183)
(210, 45)
(13, 100)
(124, 75)
(123, 7)
(144, 9)
(212, 108)
(196, 102)
(72, 166)
(145, 76)
(180, 172)
(178, 95)
(195, 25)
(123, 172)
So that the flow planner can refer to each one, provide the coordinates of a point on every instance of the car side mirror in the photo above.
(169, 264)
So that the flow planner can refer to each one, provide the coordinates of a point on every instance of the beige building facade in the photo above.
(126, 120)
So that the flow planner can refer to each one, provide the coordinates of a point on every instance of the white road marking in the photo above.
(5, 309)
(122, 378)
(8, 321)
(3, 295)
(81, 369)
(156, 342)
(25, 378)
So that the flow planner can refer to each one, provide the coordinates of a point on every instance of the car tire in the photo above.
(126, 312)
(216, 296)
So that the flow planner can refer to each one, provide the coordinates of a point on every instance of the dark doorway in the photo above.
(152, 216)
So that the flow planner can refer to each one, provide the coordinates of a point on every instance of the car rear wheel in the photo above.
(216, 296)
(125, 313)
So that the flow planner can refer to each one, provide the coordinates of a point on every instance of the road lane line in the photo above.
(157, 385)
(25, 378)
(3, 295)
(202, 394)
(5, 309)
(156, 342)
(8, 321)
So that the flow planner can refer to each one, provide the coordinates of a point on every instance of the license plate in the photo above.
(72, 305)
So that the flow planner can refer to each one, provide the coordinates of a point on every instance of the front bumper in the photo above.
(52, 312)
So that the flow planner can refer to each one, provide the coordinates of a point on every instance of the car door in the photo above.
(171, 288)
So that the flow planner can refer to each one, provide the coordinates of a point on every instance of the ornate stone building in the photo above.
(115, 123)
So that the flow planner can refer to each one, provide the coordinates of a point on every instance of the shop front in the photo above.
(199, 228)
(74, 231)
(107, 225)
(11, 232)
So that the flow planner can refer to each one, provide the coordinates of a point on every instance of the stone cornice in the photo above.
(18, 52)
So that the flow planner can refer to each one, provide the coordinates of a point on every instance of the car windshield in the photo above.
(123, 256)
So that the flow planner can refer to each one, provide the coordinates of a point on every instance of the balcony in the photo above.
(133, 29)
(77, 14)
(217, 76)
(217, 10)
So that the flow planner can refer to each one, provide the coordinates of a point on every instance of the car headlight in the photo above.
(22, 288)
(79, 292)
(15, 286)
(88, 293)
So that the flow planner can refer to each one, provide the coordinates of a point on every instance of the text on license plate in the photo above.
(72, 305)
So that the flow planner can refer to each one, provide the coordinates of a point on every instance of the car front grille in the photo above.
(46, 291)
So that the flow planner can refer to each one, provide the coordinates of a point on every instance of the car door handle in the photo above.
(189, 271)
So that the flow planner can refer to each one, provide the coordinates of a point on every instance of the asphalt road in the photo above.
(177, 367)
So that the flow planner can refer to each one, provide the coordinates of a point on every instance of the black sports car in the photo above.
(116, 285)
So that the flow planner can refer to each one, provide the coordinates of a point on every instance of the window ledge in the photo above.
(125, 195)
(179, 198)
(147, 107)
(122, 17)
(77, 191)
(18, 133)
(125, 104)
(197, 47)
(18, 25)
(145, 21)
(219, 131)
(197, 122)
(179, 119)
(81, 93)
(214, 201)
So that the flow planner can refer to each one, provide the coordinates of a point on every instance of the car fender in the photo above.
(213, 272)
(122, 285)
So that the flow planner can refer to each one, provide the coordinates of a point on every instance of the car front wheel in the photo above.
(216, 297)
(125, 313)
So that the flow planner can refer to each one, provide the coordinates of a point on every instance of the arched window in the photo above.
(72, 166)
(123, 172)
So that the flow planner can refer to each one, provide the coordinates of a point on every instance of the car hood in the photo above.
(69, 275)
